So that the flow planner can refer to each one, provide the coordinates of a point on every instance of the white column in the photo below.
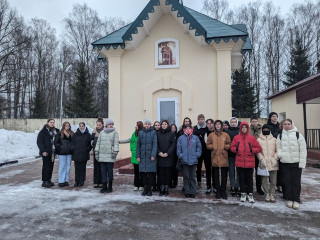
(224, 82)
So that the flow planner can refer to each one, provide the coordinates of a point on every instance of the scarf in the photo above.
(53, 133)
(108, 130)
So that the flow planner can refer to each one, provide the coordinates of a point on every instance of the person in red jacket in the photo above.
(245, 146)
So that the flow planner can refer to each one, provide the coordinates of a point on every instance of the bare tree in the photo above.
(217, 9)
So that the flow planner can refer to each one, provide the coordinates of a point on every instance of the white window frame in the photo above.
(177, 65)
(176, 100)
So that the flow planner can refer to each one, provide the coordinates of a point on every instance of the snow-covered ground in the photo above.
(16, 145)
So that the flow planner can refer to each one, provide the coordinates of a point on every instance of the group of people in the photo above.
(231, 148)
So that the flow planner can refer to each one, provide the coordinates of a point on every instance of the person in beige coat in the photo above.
(106, 151)
(268, 158)
(219, 142)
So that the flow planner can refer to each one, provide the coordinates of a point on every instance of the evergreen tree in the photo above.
(299, 68)
(81, 104)
(244, 99)
(38, 109)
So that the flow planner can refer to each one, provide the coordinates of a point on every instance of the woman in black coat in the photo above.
(166, 156)
(45, 142)
(80, 147)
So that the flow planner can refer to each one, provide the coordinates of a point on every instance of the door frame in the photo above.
(176, 100)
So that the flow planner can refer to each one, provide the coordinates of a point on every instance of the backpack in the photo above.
(297, 135)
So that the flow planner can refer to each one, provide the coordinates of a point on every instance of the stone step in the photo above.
(314, 154)
(122, 162)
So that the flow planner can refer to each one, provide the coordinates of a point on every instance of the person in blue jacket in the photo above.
(189, 149)
(146, 154)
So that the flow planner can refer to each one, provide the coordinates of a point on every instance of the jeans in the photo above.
(234, 180)
(189, 179)
(106, 172)
(64, 168)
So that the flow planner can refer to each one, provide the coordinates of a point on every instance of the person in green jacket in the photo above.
(133, 146)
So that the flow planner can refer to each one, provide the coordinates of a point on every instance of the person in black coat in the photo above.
(80, 147)
(62, 143)
(45, 142)
(165, 156)
(200, 130)
(207, 157)
(174, 182)
(97, 182)
(233, 131)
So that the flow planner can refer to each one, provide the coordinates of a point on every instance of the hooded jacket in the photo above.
(292, 150)
(146, 148)
(268, 153)
(245, 146)
(81, 146)
(107, 146)
(189, 149)
(166, 144)
(219, 143)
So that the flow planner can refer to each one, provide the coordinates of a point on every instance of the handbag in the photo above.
(263, 172)
(179, 165)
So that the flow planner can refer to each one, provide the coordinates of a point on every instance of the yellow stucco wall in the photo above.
(135, 83)
(286, 103)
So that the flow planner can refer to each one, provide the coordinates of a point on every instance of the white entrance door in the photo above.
(168, 109)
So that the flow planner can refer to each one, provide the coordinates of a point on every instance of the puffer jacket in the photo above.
(63, 145)
(81, 146)
(147, 148)
(166, 144)
(219, 143)
(189, 149)
(292, 150)
(133, 148)
(245, 146)
(269, 152)
(107, 146)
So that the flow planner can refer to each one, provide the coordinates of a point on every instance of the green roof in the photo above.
(211, 29)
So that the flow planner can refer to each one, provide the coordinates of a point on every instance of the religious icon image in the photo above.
(167, 53)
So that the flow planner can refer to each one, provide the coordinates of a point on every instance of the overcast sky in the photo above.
(54, 11)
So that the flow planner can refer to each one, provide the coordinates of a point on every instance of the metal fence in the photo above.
(313, 139)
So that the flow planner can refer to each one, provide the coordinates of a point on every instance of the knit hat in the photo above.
(109, 121)
(147, 120)
(272, 113)
(265, 126)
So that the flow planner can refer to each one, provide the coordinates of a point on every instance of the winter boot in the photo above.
(233, 192)
(218, 195)
(109, 188)
(243, 197)
(208, 191)
(224, 195)
(289, 204)
(145, 191)
(166, 190)
(46, 184)
(52, 184)
(250, 198)
(268, 198)
(149, 194)
(295, 205)
(161, 190)
(104, 188)
(272, 198)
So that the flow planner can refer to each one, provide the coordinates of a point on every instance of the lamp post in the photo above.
(63, 71)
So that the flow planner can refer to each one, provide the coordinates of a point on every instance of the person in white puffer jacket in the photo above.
(106, 151)
(292, 151)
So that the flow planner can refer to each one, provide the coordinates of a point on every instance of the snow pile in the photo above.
(16, 145)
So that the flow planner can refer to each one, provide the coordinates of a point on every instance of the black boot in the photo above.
(161, 190)
(109, 189)
(149, 191)
(104, 188)
(145, 191)
(46, 184)
(166, 190)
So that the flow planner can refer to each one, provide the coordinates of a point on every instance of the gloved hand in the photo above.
(262, 164)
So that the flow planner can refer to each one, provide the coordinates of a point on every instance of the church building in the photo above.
(171, 62)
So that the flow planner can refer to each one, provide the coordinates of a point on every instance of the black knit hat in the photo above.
(265, 126)
(272, 113)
